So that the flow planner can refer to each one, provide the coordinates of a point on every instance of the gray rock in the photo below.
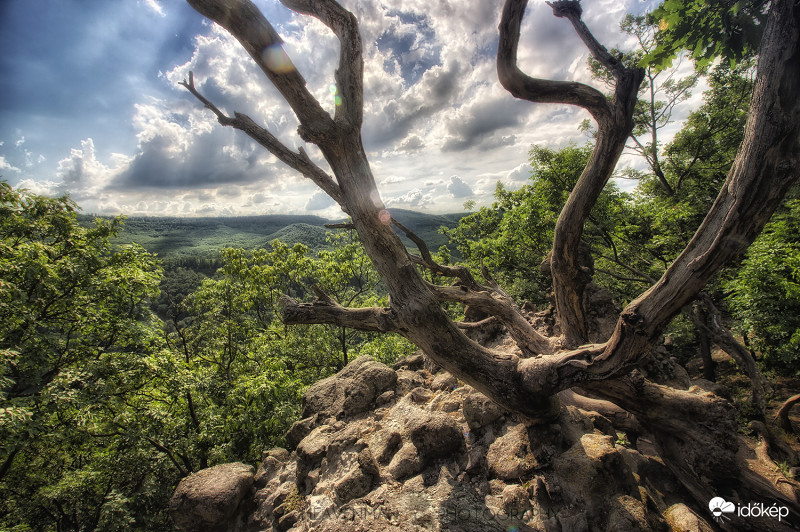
(510, 456)
(299, 430)
(516, 503)
(271, 463)
(420, 395)
(351, 391)
(384, 444)
(385, 398)
(480, 411)
(411, 362)
(406, 462)
(681, 517)
(358, 481)
(435, 434)
(591, 472)
(444, 381)
(206, 501)
(408, 380)
(627, 514)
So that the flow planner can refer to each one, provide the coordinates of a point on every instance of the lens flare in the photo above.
(337, 100)
(376, 199)
(276, 59)
(385, 217)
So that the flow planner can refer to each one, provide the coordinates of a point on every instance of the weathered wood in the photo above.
(724, 339)
(248, 25)
(299, 161)
(783, 413)
(688, 425)
(614, 125)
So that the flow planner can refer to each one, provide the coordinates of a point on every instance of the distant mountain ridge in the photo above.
(174, 236)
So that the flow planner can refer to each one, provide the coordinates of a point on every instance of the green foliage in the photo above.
(764, 293)
(103, 407)
(75, 333)
(240, 371)
(659, 224)
(513, 236)
(707, 29)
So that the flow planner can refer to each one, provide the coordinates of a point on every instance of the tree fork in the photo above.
(764, 169)
(615, 122)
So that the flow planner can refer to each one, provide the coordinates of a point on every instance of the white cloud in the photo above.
(414, 198)
(156, 7)
(5, 165)
(83, 176)
(458, 188)
(318, 201)
(433, 109)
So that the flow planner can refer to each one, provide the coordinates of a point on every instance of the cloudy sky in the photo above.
(90, 103)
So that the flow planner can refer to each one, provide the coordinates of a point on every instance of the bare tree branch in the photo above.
(326, 311)
(537, 90)
(459, 272)
(571, 10)
(721, 336)
(783, 414)
(350, 72)
(500, 305)
(476, 324)
(246, 23)
(299, 161)
(614, 125)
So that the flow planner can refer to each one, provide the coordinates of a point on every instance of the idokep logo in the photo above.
(719, 507)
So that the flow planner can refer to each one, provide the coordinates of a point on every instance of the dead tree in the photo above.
(695, 432)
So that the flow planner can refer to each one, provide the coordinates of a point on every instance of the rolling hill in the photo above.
(172, 237)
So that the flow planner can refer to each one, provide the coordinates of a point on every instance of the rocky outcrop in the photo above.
(409, 448)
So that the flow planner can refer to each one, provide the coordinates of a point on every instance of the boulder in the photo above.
(406, 462)
(680, 517)
(591, 472)
(510, 457)
(444, 381)
(271, 463)
(435, 434)
(480, 411)
(351, 391)
(401, 449)
(206, 501)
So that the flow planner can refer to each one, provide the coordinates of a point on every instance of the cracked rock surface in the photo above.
(409, 448)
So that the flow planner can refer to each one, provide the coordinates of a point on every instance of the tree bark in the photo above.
(783, 413)
(762, 173)
(693, 430)
(614, 124)
(724, 339)
(699, 320)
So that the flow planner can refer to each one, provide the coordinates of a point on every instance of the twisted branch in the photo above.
(299, 161)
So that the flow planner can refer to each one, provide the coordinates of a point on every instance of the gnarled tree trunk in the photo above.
(695, 431)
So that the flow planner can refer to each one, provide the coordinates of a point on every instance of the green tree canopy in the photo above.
(707, 29)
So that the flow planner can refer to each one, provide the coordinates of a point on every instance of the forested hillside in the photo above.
(187, 237)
